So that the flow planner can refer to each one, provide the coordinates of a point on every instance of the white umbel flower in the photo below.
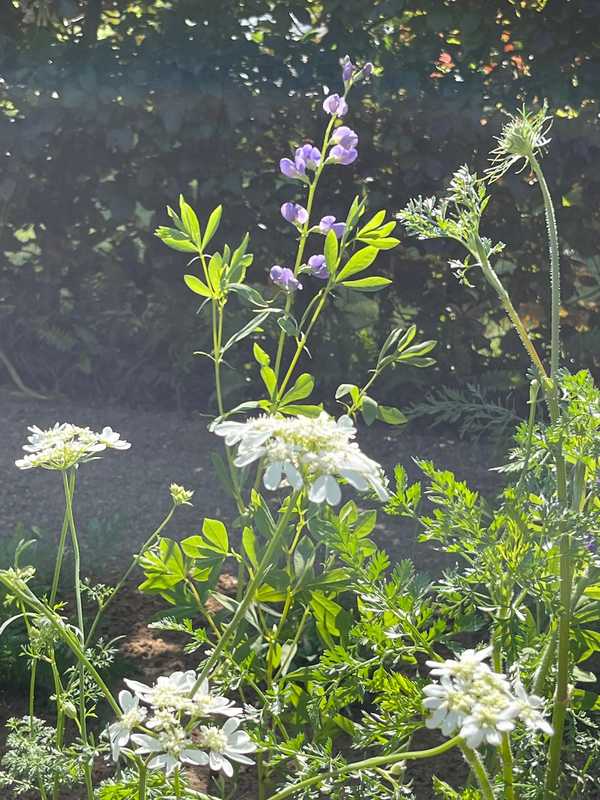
(303, 451)
(133, 715)
(169, 748)
(169, 692)
(224, 745)
(65, 445)
(477, 703)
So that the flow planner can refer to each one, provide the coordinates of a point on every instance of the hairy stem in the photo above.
(473, 759)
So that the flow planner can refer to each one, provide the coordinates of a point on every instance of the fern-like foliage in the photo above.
(472, 410)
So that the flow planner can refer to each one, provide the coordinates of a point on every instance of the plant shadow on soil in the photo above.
(121, 498)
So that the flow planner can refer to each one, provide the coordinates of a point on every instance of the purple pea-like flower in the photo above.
(335, 105)
(309, 155)
(318, 267)
(285, 278)
(294, 213)
(293, 169)
(348, 69)
(345, 137)
(342, 155)
(328, 223)
(367, 69)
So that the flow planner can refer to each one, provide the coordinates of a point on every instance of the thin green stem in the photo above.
(367, 763)
(135, 561)
(177, 784)
(505, 748)
(143, 775)
(60, 554)
(69, 487)
(473, 759)
(251, 589)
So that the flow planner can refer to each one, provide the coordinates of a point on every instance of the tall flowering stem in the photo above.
(473, 759)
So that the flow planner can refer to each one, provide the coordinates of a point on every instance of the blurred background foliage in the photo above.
(109, 109)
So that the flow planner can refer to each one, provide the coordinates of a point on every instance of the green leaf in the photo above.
(359, 261)
(301, 389)
(385, 243)
(288, 325)
(261, 357)
(331, 251)
(302, 410)
(369, 409)
(373, 223)
(249, 328)
(249, 545)
(216, 534)
(189, 220)
(197, 286)
(215, 270)
(269, 379)
(212, 225)
(391, 415)
(372, 284)
(347, 388)
(176, 240)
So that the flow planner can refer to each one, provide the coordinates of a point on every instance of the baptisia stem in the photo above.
(250, 593)
(370, 763)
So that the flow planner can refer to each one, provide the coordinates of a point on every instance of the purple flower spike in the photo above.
(291, 169)
(328, 223)
(344, 136)
(348, 69)
(335, 105)
(285, 278)
(342, 155)
(309, 155)
(318, 267)
(294, 213)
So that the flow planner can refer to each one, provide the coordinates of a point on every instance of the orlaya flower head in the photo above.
(318, 267)
(285, 278)
(224, 745)
(310, 155)
(133, 715)
(65, 445)
(348, 69)
(342, 155)
(344, 136)
(169, 748)
(294, 213)
(335, 105)
(328, 223)
(170, 691)
(302, 451)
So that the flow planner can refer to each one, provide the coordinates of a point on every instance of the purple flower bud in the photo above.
(318, 267)
(367, 69)
(294, 213)
(342, 155)
(284, 277)
(335, 105)
(348, 69)
(328, 223)
(291, 169)
(344, 136)
(311, 156)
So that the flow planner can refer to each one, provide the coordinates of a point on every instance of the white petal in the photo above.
(146, 744)
(355, 478)
(333, 491)
(215, 761)
(127, 701)
(198, 757)
(293, 476)
(273, 475)
(232, 724)
(317, 491)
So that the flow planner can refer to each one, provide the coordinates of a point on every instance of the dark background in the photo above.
(109, 109)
